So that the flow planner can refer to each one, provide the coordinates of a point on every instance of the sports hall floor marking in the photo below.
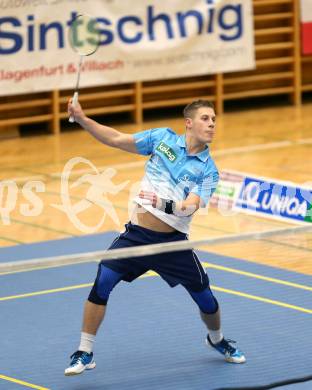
(23, 383)
(45, 292)
(43, 227)
(36, 225)
(261, 299)
(131, 165)
(3, 238)
(221, 289)
(257, 276)
(253, 148)
(40, 268)
(75, 197)
(286, 244)
(304, 141)
(21, 179)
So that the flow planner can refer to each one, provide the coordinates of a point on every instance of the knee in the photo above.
(105, 281)
(205, 300)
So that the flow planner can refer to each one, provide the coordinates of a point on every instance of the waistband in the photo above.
(176, 233)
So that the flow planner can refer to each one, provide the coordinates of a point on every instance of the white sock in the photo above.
(215, 336)
(86, 342)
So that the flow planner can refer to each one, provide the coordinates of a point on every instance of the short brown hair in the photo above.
(191, 108)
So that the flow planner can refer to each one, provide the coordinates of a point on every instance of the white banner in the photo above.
(140, 40)
(306, 11)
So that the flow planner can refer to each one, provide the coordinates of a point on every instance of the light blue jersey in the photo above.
(172, 173)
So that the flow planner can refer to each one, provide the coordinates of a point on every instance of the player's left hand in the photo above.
(150, 198)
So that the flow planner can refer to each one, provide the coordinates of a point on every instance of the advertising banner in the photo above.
(228, 189)
(275, 199)
(270, 198)
(306, 26)
(143, 40)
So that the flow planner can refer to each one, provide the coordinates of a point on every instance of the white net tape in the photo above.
(143, 250)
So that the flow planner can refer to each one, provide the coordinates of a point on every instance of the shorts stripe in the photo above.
(196, 260)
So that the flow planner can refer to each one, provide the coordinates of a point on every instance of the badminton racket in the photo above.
(84, 38)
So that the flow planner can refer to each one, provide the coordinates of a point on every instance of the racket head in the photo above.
(84, 35)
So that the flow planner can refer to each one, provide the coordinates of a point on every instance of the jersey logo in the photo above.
(167, 151)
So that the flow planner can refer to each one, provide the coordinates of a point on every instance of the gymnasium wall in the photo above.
(281, 71)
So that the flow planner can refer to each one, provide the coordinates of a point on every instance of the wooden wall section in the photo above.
(281, 70)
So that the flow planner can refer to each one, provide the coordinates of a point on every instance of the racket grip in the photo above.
(74, 103)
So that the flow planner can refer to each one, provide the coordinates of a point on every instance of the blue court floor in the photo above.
(152, 337)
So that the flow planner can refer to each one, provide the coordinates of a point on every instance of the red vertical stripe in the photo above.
(306, 38)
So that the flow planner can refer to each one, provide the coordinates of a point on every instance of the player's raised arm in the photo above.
(105, 134)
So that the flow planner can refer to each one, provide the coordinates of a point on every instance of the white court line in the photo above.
(142, 250)
(138, 164)
(222, 152)
(304, 141)
(252, 148)
(22, 179)
(123, 166)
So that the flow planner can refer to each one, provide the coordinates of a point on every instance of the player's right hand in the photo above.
(75, 111)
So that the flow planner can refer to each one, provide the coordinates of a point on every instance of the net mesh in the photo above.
(290, 245)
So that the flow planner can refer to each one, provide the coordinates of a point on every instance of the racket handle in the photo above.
(74, 103)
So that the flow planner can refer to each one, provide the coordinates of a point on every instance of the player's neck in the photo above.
(193, 146)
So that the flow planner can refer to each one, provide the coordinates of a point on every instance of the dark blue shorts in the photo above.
(174, 267)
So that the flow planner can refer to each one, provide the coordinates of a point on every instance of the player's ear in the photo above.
(188, 123)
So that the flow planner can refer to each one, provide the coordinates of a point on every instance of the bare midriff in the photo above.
(147, 220)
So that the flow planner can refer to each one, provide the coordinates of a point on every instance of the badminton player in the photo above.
(180, 177)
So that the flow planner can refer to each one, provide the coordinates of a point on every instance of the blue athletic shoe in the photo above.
(80, 361)
(230, 353)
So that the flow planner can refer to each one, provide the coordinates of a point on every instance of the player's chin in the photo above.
(209, 139)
